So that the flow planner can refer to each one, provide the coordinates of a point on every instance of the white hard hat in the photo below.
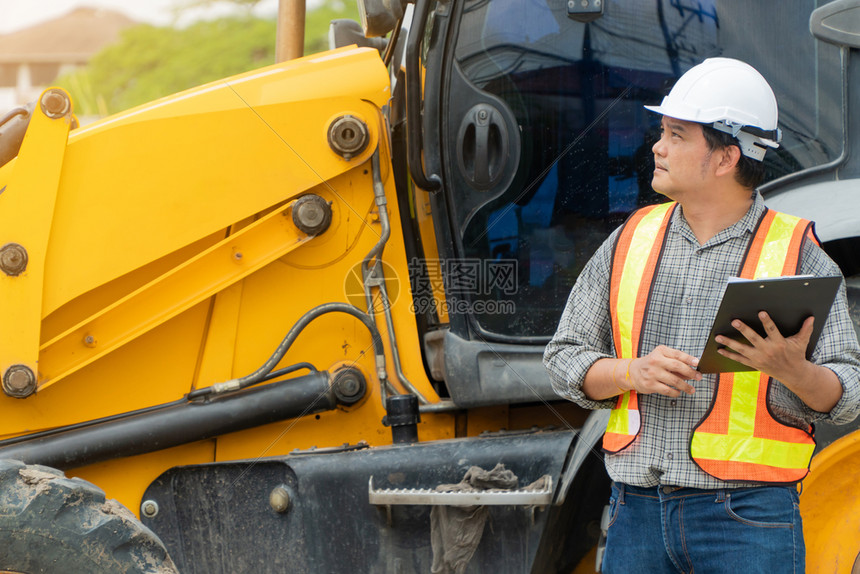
(730, 96)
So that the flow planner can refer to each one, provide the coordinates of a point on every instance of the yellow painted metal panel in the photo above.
(143, 184)
(127, 478)
(157, 367)
(182, 287)
(216, 361)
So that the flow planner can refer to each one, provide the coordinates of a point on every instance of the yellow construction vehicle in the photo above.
(273, 316)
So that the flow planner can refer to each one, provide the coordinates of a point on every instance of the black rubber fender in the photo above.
(53, 524)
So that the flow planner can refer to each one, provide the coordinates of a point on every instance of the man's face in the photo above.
(681, 159)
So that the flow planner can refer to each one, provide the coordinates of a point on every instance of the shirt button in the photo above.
(689, 300)
(674, 402)
(669, 455)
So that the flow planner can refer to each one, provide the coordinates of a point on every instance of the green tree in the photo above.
(151, 62)
(317, 21)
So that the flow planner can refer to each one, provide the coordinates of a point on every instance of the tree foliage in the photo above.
(151, 62)
(317, 21)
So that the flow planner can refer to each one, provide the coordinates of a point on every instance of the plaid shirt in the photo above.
(687, 290)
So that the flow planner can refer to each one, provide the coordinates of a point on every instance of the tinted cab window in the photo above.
(574, 92)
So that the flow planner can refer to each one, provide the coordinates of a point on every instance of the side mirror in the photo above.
(345, 32)
(837, 23)
(379, 17)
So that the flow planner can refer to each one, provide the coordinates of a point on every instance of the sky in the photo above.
(18, 14)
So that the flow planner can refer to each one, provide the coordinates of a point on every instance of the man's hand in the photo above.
(778, 356)
(784, 359)
(664, 371)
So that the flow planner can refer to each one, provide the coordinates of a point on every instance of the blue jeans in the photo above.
(732, 531)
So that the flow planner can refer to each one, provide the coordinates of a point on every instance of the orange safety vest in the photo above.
(739, 438)
(634, 263)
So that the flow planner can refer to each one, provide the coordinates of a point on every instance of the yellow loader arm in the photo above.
(86, 238)
(26, 214)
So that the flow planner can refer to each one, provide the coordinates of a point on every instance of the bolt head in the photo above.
(55, 103)
(19, 381)
(348, 136)
(149, 508)
(312, 214)
(349, 386)
(279, 499)
(13, 259)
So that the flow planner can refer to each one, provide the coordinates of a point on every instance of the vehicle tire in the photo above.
(830, 506)
(50, 523)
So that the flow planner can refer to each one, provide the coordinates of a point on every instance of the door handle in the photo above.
(482, 146)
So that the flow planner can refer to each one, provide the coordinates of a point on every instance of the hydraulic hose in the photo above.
(266, 369)
(196, 394)
(14, 112)
(374, 276)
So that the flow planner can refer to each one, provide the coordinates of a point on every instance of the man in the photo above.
(704, 467)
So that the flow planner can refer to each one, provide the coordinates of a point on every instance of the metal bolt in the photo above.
(13, 259)
(55, 103)
(90, 341)
(19, 381)
(348, 136)
(149, 508)
(312, 214)
(279, 499)
(349, 386)
(237, 256)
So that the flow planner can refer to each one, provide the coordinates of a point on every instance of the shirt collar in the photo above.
(745, 225)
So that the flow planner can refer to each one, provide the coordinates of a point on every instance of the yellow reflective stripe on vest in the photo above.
(775, 248)
(619, 421)
(748, 448)
(634, 268)
(743, 403)
(623, 420)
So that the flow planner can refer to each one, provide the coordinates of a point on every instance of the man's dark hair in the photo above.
(750, 173)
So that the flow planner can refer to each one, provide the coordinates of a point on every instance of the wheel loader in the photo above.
(293, 320)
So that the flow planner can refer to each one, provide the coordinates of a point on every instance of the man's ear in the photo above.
(729, 158)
